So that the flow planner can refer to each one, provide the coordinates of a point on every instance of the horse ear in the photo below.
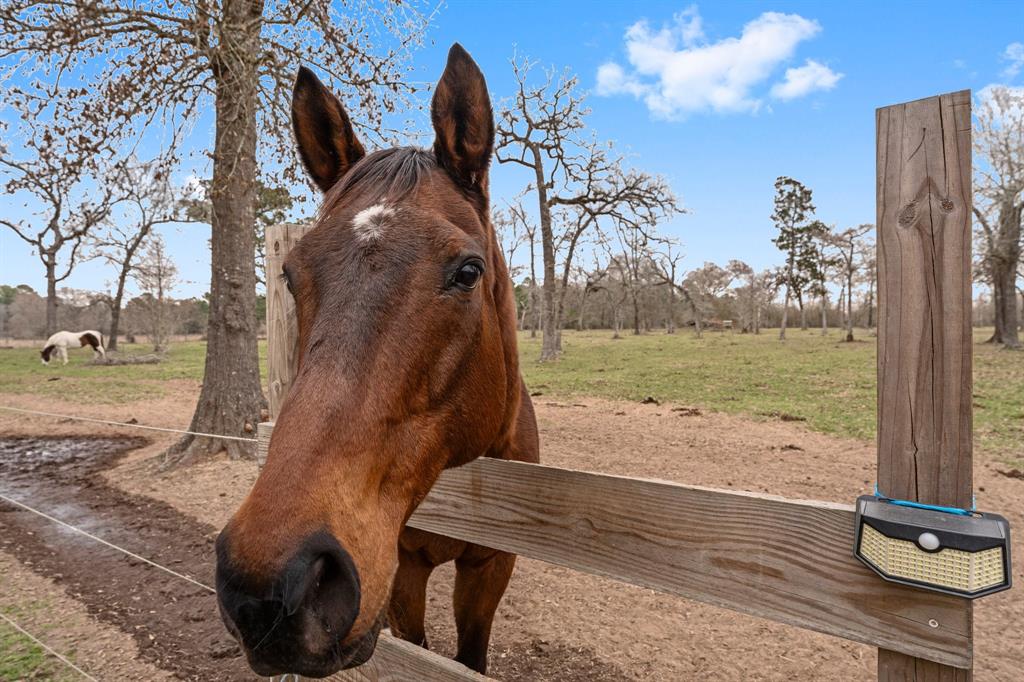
(323, 132)
(463, 121)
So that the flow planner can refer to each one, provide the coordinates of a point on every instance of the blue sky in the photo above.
(719, 98)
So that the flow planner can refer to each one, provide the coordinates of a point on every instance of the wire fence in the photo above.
(102, 541)
(108, 422)
(25, 507)
(50, 650)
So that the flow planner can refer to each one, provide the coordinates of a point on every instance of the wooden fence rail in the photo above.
(786, 560)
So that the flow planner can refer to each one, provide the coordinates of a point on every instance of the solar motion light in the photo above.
(945, 549)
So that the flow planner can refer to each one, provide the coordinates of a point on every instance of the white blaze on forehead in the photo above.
(368, 224)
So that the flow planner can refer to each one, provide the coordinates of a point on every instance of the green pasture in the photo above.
(22, 372)
(821, 381)
(23, 659)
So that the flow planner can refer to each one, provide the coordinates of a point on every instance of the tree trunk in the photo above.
(636, 314)
(824, 315)
(803, 312)
(535, 313)
(115, 310)
(583, 303)
(1003, 259)
(550, 346)
(849, 307)
(1004, 288)
(51, 295)
(231, 396)
(871, 302)
(785, 315)
(122, 277)
(670, 321)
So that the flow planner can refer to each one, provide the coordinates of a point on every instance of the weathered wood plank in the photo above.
(924, 331)
(396, 660)
(789, 561)
(783, 560)
(281, 330)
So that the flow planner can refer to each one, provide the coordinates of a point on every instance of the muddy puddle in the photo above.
(175, 624)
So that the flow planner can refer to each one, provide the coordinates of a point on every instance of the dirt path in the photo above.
(40, 606)
(556, 624)
(173, 623)
(554, 620)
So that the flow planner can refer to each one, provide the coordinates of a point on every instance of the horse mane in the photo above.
(388, 174)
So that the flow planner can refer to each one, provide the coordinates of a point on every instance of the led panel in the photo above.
(967, 555)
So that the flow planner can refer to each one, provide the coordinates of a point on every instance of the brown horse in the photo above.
(407, 366)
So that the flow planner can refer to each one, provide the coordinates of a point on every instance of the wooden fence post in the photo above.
(924, 330)
(281, 330)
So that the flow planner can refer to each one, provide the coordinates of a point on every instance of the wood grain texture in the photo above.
(398, 661)
(263, 431)
(281, 322)
(788, 561)
(924, 333)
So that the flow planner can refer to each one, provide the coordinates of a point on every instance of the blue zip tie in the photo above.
(932, 507)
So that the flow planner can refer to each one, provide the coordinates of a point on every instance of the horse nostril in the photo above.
(330, 586)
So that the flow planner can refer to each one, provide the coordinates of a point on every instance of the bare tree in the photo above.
(757, 290)
(155, 61)
(65, 196)
(589, 282)
(666, 261)
(871, 277)
(156, 276)
(999, 182)
(849, 247)
(510, 236)
(542, 129)
(522, 225)
(702, 287)
(822, 262)
(150, 200)
(634, 252)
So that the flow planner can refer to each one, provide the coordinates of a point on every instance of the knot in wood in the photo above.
(908, 214)
(946, 205)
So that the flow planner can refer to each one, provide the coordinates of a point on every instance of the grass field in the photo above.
(22, 372)
(819, 380)
(23, 659)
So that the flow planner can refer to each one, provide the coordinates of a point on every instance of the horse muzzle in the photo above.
(300, 621)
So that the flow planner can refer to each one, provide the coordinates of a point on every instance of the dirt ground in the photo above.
(556, 624)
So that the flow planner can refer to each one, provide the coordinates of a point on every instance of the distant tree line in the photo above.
(23, 314)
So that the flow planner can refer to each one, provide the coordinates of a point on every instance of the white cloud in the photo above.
(1014, 54)
(805, 79)
(1004, 105)
(676, 70)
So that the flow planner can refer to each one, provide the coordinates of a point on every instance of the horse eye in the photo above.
(468, 275)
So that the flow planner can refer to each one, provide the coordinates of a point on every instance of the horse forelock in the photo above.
(383, 177)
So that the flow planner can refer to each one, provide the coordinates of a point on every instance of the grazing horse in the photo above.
(60, 341)
(407, 365)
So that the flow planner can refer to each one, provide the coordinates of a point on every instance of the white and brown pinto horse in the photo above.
(59, 342)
